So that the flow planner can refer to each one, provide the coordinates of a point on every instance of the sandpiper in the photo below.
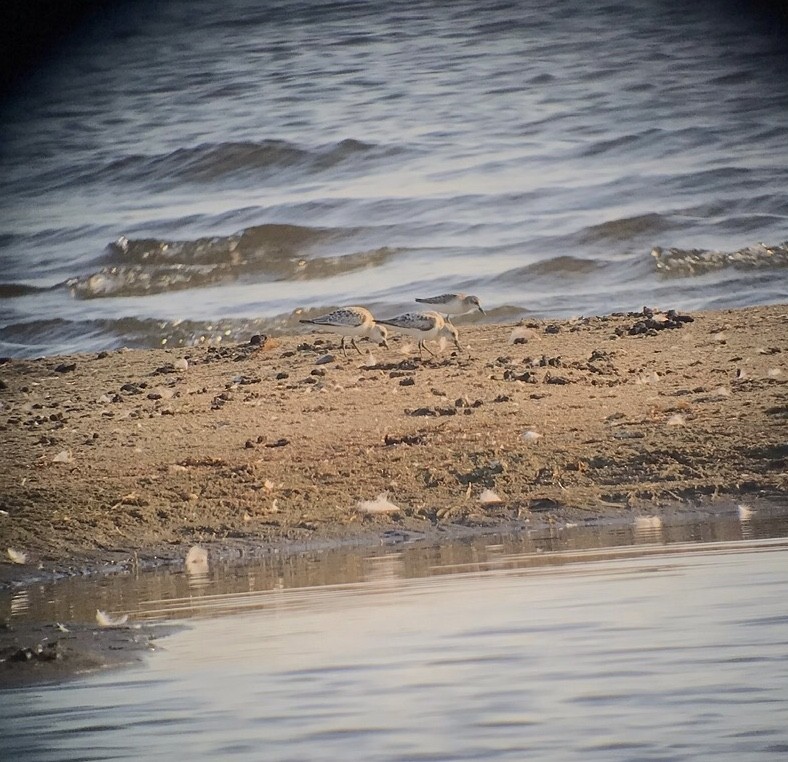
(352, 322)
(424, 326)
(453, 304)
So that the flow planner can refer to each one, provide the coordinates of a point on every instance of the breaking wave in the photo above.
(41, 337)
(689, 262)
(140, 267)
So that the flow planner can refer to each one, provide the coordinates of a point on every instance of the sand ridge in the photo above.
(279, 440)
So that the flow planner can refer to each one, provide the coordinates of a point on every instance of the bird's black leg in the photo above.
(427, 349)
(355, 346)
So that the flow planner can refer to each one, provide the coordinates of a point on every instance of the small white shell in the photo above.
(381, 504)
(17, 556)
(488, 497)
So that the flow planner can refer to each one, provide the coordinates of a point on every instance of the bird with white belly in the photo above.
(424, 326)
(453, 304)
(353, 323)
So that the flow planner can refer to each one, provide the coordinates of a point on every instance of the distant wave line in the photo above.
(212, 162)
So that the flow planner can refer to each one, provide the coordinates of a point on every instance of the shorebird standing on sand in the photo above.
(453, 304)
(424, 326)
(352, 322)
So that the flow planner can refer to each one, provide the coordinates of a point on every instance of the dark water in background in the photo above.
(199, 170)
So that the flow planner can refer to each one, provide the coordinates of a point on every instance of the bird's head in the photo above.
(450, 332)
(379, 334)
(474, 302)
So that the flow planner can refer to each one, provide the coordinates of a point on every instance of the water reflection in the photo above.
(205, 587)
(648, 529)
(20, 603)
(746, 516)
(578, 653)
(197, 568)
(624, 642)
(384, 569)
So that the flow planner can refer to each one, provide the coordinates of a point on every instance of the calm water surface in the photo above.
(575, 645)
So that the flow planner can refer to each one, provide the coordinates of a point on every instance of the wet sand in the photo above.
(128, 458)
(32, 654)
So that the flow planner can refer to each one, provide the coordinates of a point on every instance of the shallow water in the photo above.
(197, 171)
(649, 642)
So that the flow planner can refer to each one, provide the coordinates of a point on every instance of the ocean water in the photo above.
(196, 171)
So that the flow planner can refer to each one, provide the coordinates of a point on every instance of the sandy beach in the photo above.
(130, 457)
